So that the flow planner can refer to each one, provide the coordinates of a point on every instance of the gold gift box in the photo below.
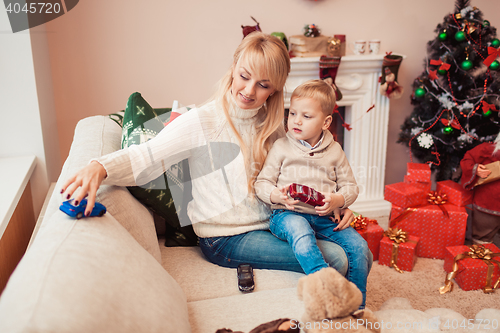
(303, 46)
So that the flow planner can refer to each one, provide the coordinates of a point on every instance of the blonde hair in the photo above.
(267, 56)
(318, 90)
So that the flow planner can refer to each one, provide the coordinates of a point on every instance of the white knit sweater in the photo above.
(221, 204)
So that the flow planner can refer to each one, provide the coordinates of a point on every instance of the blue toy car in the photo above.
(79, 211)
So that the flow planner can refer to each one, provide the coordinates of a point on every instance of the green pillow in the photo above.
(169, 194)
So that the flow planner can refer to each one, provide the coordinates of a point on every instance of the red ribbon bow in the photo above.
(487, 107)
(443, 66)
(433, 75)
(492, 55)
(453, 123)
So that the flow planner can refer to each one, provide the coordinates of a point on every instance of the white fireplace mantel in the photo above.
(366, 144)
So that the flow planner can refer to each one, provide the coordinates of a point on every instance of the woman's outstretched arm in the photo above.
(138, 164)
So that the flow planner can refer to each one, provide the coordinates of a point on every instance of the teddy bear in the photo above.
(331, 304)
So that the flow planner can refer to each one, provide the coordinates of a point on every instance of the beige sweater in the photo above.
(221, 204)
(324, 168)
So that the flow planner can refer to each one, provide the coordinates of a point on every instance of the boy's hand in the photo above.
(332, 201)
(280, 196)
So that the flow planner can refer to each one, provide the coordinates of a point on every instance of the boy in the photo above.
(309, 156)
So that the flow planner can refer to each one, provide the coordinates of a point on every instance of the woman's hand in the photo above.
(346, 220)
(280, 196)
(89, 179)
(482, 172)
(332, 201)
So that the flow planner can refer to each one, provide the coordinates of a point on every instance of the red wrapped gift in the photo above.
(473, 267)
(398, 250)
(418, 172)
(370, 231)
(457, 195)
(426, 186)
(435, 229)
(405, 195)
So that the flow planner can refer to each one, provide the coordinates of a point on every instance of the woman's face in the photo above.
(249, 89)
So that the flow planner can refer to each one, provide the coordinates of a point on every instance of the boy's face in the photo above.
(249, 89)
(306, 120)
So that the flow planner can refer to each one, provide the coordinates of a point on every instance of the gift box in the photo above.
(438, 226)
(455, 192)
(418, 172)
(302, 46)
(400, 255)
(470, 273)
(405, 195)
(370, 231)
(426, 186)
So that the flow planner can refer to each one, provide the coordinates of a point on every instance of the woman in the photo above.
(246, 113)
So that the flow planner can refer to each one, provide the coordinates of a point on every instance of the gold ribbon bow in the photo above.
(398, 236)
(439, 199)
(360, 222)
(475, 252)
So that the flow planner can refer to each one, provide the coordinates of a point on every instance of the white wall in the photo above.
(102, 51)
(21, 132)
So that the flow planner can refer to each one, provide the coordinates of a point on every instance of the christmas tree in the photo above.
(457, 97)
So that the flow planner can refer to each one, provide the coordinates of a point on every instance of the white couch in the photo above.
(113, 274)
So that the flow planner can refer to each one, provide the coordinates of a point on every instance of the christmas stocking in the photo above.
(389, 80)
(328, 67)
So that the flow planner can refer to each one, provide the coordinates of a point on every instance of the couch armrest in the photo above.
(97, 274)
(90, 275)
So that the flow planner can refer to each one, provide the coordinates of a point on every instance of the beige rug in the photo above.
(421, 287)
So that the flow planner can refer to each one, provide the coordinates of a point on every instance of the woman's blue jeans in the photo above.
(262, 250)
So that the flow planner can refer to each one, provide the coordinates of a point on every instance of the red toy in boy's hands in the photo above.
(306, 194)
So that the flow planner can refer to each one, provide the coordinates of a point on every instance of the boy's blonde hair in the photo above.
(318, 90)
(267, 56)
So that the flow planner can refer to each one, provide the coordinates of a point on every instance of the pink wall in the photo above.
(102, 51)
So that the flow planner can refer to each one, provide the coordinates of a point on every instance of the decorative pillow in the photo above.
(169, 194)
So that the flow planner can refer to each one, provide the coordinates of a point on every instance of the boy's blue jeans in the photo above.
(301, 231)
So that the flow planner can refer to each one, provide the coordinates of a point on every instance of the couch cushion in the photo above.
(90, 275)
(94, 137)
(245, 311)
(202, 280)
(167, 195)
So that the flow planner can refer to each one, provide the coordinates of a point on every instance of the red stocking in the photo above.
(328, 67)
